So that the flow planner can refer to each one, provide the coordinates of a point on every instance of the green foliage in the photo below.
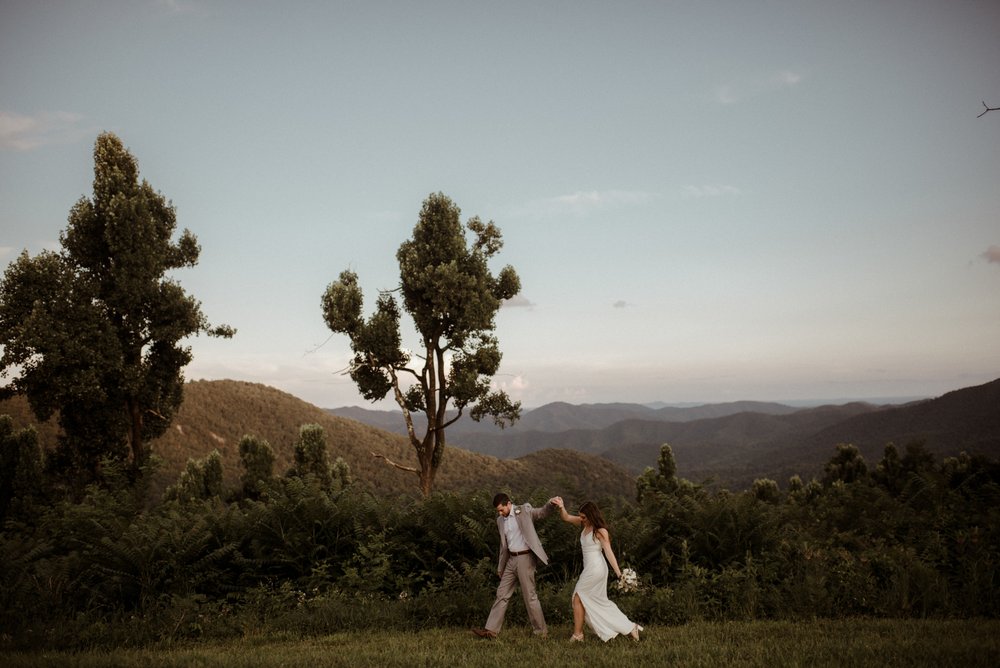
(310, 456)
(663, 479)
(846, 466)
(452, 298)
(765, 490)
(95, 330)
(201, 479)
(21, 482)
(340, 472)
(305, 558)
(257, 459)
(300, 530)
(103, 556)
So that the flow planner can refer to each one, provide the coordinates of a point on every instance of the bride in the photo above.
(590, 598)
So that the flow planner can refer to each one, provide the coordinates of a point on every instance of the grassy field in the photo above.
(858, 642)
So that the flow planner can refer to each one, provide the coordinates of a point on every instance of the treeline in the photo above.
(305, 550)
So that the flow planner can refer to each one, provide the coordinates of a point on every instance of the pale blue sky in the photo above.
(705, 201)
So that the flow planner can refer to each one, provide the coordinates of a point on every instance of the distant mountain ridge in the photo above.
(561, 416)
(737, 442)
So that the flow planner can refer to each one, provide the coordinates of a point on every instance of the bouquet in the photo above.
(628, 582)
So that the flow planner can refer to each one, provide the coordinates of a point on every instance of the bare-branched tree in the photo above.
(988, 109)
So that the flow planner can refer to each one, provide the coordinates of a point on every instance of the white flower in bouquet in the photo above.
(629, 581)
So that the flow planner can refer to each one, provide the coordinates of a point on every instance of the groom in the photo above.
(520, 552)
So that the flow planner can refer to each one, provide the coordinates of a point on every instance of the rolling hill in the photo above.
(217, 414)
(719, 430)
(738, 442)
(560, 416)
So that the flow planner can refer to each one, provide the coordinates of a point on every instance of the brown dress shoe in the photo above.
(485, 633)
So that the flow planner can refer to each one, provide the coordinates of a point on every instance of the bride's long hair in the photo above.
(594, 516)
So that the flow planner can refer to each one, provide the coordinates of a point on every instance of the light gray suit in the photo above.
(520, 569)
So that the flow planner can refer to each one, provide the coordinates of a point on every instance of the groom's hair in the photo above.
(500, 499)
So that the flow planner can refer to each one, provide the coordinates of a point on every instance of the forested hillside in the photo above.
(215, 415)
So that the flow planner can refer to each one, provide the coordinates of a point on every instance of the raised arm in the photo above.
(605, 539)
(566, 517)
(543, 511)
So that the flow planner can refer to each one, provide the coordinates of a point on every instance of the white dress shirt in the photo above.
(515, 540)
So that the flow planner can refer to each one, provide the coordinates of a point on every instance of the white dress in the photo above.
(602, 616)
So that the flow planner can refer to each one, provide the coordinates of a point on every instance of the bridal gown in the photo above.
(603, 617)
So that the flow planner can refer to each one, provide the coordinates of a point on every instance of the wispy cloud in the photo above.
(582, 203)
(712, 190)
(25, 133)
(518, 301)
(724, 94)
(384, 216)
(176, 6)
(786, 78)
(992, 254)
(734, 92)
(515, 385)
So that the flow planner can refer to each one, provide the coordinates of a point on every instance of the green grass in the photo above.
(856, 642)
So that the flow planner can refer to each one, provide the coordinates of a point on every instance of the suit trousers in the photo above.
(519, 570)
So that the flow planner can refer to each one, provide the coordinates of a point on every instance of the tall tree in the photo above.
(93, 332)
(20, 469)
(847, 465)
(452, 297)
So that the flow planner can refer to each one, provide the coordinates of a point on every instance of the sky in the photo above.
(705, 201)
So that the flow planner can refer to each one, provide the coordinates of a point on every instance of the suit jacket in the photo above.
(525, 517)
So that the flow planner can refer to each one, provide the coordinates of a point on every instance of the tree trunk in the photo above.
(135, 436)
(426, 479)
(427, 467)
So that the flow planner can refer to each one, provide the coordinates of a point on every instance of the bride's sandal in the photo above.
(635, 632)
(576, 637)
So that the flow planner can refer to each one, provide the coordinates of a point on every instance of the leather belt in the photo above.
(518, 554)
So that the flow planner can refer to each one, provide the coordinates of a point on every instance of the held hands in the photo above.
(556, 501)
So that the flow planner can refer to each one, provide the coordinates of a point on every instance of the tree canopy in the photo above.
(93, 332)
(452, 297)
